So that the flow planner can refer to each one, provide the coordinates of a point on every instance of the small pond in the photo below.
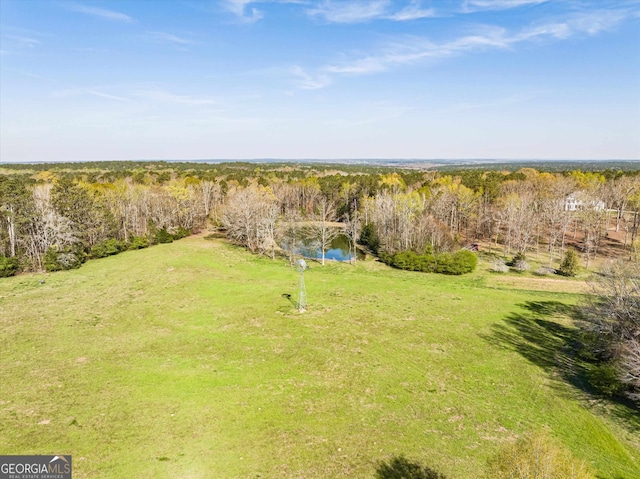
(338, 251)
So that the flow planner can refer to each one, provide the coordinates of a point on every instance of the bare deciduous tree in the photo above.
(352, 227)
(321, 227)
(613, 316)
(249, 218)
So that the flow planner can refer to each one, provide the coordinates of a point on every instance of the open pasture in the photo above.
(187, 360)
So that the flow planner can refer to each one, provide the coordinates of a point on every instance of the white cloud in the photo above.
(161, 96)
(350, 12)
(86, 91)
(410, 50)
(106, 95)
(413, 11)
(308, 82)
(360, 11)
(475, 5)
(238, 8)
(241, 9)
(100, 12)
(415, 49)
(170, 38)
(26, 41)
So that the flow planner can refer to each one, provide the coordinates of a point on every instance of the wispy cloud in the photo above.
(108, 96)
(162, 96)
(360, 11)
(413, 11)
(239, 8)
(350, 11)
(415, 49)
(306, 81)
(25, 41)
(169, 38)
(476, 5)
(100, 12)
(246, 13)
(86, 91)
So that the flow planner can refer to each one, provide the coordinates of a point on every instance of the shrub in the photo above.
(139, 242)
(537, 456)
(443, 263)
(59, 260)
(570, 264)
(499, 267)
(517, 257)
(8, 266)
(604, 377)
(544, 271)
(180, 233)
(107, 248)
(466, 261)
(460, 262)
(162, 236)
(457, 263)
(405, 260)
(520, 266)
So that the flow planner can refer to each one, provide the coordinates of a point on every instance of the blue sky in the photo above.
(291, 79)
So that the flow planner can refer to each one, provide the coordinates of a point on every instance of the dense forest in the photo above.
(56, 216)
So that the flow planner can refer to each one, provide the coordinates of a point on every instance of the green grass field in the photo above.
(186, 361)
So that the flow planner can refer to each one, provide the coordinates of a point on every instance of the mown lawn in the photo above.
(186, 361)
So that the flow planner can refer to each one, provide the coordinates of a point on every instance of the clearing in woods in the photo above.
(188, 360)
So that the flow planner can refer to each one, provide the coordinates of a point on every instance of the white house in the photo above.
(579, 200)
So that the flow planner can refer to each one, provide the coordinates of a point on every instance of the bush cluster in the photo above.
(56, 259)
(8, 266)
(161, 236)
(605, 378)
(107, 248)
(544, 271)
(457, 263)
(138, 242)
(499, 266)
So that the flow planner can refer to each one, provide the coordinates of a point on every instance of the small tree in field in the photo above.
(570, 264)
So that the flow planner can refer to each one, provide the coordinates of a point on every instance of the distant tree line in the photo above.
(56, 216)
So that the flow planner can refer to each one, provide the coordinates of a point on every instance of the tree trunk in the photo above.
(12, 235)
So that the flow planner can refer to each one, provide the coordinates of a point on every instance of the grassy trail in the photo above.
(186, 361)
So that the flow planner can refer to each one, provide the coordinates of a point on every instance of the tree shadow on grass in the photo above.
(401, 468)
(537, 336)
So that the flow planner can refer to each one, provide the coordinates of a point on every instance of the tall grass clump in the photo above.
(537, 456)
